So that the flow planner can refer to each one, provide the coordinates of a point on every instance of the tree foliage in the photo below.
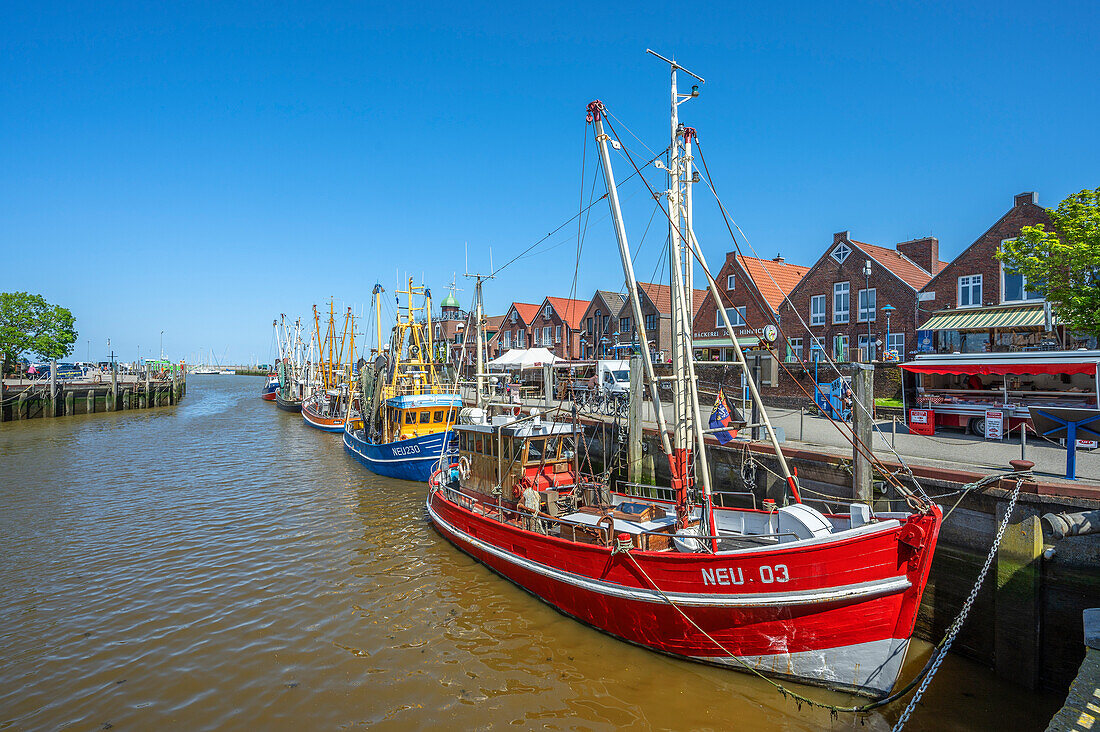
(29, 324)
(1063, 265)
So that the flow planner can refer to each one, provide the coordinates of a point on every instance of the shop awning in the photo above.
(1041, 362)
(986, 318)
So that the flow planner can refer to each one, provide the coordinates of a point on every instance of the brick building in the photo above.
(836, 306)
(515, 327)
(973, 305)
(598, 324)
(557, 326)
(656, 303)
(455, 327)
(752, 291)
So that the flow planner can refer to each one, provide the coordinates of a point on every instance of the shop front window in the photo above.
(956, 341)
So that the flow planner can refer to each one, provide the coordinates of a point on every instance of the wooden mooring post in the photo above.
(51, 403)
(862, 424)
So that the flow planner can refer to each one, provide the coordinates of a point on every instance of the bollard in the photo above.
(91, 401)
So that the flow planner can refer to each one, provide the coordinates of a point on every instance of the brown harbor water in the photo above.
(220, 565)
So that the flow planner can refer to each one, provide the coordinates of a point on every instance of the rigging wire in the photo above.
(856, 443)
(727, 219)
(574, 217)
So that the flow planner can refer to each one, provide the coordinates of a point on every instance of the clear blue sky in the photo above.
(200, 168)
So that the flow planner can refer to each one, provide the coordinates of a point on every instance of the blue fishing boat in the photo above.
(402, 416)
(428, 419)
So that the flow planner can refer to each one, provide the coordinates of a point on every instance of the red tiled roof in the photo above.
(493, 322)
(571, 311)
(527, 311)
(893, 260)
(764, 271)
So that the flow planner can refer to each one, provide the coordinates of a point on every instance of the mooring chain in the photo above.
(961, 618)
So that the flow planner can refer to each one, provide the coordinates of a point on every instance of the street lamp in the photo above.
(889, 310)
(867, 290)
(162, 344)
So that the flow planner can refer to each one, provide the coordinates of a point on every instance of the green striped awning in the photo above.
(986, 318)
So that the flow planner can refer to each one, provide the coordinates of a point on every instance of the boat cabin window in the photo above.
(410, 417)
(425, 417)
(551, 448)
(437, 416)
(535, 450)
(451, 415)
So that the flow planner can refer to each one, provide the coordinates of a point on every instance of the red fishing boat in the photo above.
(823, 598)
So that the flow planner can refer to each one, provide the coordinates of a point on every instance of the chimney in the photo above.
(1021, 198)
(925, 252)
(840, 236)
(778, 258)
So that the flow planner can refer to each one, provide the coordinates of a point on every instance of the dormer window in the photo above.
(546, 313)
(841, 252)
(514, 316)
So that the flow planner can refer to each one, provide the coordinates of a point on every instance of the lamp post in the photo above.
(584, 344)
(162, 344)
(867, 279)
(889, 310)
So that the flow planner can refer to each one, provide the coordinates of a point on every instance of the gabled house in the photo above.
(557, 326)
(656, 304)
(515, 328)
(752, 292)
(839, 306)
(974, 305)
(598, 323)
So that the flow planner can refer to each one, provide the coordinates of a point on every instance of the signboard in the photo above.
(924, 341)
(994, 424)
(922, 421)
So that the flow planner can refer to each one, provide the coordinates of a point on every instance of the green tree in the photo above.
(30, 324)
(1063, 265)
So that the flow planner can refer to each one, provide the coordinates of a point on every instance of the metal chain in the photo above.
(967, 605)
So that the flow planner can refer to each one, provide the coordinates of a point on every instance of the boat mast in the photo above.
(685, 392)
(479, 315)
(595, 115)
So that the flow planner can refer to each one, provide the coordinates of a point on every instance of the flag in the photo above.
(720, 417)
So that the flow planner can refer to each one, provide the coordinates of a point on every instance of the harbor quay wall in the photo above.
(39, 400)
(1026, 619)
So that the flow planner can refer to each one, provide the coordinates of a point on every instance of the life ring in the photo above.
(464, 467)
(609, 528)
(516, 411)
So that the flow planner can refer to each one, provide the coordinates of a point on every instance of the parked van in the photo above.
(613, 376)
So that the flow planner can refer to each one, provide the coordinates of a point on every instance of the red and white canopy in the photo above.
(1039, 362)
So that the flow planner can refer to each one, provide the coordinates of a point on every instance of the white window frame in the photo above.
(736, 316)
(795, 344)
(842, 347)
(507, 339)
(845, 315)
(896, 342)
(840, 252)
(546, 335)
(865, 345)
(624, 325)
(868, 314)
(1023, 285)
(557, 334)
(819, 318)
(971, 281)
(731, 282)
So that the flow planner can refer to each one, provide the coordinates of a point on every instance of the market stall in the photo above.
(958, 389)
